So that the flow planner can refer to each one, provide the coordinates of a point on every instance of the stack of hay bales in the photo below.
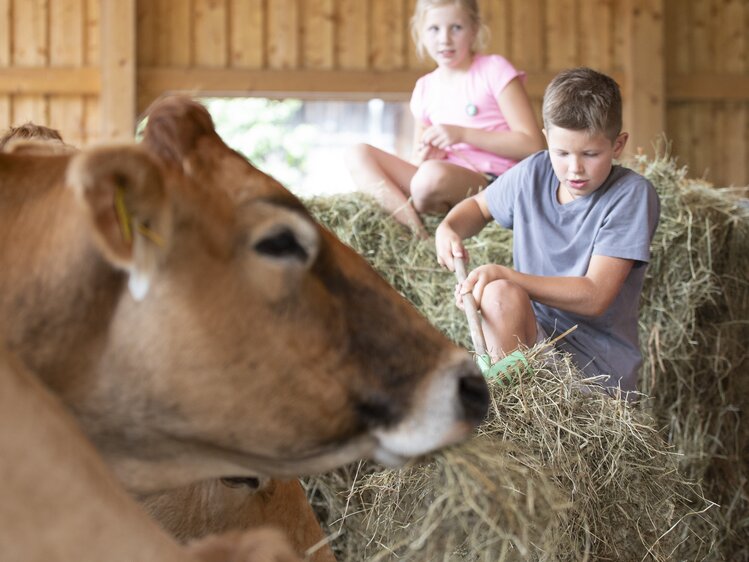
(695, 331)
(560, 471)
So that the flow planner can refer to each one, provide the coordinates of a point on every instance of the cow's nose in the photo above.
(474, 397)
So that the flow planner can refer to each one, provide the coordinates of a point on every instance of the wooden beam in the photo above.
(50, 80)
(707, 87)
(645, 105)
(319, 84)
(118, 50)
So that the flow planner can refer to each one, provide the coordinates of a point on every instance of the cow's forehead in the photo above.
(247, 185)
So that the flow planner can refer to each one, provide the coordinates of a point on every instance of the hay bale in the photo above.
(695, 327)
(478, 498)
(559, 471)
(618, 488)
(409, 264)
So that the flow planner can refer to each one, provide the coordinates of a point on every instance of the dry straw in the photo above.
(560, 471)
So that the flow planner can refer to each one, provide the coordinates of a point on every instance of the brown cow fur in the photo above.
(60, 502)
(206, 507)
(30, 131)
(214, 507)
(242, 340)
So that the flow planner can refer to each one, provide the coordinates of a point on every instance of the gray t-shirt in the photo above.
(551, 239)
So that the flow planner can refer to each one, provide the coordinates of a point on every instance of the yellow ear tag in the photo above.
(124, 218)
(152, 235)
(122, 215)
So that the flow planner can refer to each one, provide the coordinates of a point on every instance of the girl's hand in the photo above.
(443, 136)
(426, 152)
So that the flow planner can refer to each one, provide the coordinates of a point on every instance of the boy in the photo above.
(582, 228)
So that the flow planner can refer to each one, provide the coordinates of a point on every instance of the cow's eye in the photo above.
(241, 482)
(282, 244)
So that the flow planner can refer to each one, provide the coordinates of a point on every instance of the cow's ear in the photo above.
(122, 189)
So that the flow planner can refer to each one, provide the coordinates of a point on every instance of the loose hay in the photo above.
(558, 473)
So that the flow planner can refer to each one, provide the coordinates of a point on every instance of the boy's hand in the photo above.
(477, 280)
(443, 136)
(448, 245)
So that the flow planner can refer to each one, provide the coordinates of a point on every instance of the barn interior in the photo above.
(555, 473)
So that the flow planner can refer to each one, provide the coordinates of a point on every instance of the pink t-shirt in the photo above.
(473, 104)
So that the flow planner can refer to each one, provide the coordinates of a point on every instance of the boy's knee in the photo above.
(505, 296)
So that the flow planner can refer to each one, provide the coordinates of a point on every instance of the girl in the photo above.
(473, 120)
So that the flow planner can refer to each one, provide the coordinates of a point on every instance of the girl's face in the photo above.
(448, 35)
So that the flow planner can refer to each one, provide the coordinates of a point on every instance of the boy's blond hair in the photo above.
(582, 99)
(471, 8)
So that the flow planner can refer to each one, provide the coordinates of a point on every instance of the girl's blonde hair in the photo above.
(471, 8)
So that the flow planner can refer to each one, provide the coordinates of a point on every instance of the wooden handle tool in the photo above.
(471, 310)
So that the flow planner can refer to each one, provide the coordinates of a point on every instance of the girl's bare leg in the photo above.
(508, 318)
(438, 185)
(387, 178)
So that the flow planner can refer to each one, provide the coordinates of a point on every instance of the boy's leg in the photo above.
(508, 318)
(385, 177)
(438, 185)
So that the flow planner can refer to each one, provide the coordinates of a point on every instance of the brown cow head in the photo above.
(252, 341)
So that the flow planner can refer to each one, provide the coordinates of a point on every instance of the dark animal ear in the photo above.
(122, 189)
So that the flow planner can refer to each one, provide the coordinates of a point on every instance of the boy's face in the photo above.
(582, 161)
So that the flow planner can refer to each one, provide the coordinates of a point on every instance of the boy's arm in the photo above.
(589, 295)
(464, 220)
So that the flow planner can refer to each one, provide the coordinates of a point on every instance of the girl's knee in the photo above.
(356, 153)
(427, 189)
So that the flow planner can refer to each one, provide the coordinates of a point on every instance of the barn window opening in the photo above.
(302, 143)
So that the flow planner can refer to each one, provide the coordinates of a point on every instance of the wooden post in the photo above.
(5, 61)
(118, 58)
(645, 88)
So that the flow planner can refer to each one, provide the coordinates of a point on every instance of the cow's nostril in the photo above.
(474, 397)
(376, 411)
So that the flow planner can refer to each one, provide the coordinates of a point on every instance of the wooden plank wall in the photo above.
(49, 53)
(683, 64)
(707, 115)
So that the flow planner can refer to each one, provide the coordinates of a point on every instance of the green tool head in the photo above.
(502, 370)
(485, 364)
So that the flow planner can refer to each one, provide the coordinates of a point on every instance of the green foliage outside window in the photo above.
(267, 132)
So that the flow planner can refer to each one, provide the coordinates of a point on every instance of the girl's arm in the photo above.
(417, 143)
(589, 295)
(523, 139)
